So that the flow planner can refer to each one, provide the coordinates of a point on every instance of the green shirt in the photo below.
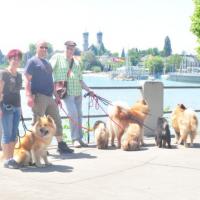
(60, 67)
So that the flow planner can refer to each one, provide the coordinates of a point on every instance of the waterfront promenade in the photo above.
(89, 173)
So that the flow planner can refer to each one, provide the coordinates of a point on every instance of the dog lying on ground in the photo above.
(163, 134)
(101, 135)
(184, 122)
(121, 116)
(32, 147)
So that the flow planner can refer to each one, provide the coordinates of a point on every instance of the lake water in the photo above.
(189, 97)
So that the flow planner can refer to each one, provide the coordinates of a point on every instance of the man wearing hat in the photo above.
(66, 68)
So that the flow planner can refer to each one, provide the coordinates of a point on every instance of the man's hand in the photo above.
(58, 100)
(31, 101)
(91, 93)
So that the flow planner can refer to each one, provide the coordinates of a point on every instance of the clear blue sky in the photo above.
(125, 23)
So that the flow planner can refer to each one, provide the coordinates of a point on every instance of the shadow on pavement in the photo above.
(80, 155)
(48, 169)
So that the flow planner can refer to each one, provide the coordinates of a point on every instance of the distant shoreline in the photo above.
(96, 74)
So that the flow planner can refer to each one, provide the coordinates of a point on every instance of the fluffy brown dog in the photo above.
(32, 147)
(131, 138)
(121, 116)
(184, 122)
(101, 135)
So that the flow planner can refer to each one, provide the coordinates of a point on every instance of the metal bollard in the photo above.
(152, 92)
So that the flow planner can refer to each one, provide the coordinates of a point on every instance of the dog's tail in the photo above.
(194, 124)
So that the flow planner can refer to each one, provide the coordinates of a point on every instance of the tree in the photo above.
(123, 53)
(115, 54)
(134, 56)
(89, 60)
(77, 52)
(50, 50)
(32, 49)
(167, 47)
(173, 63)
(195, 26)
(2, 57)
(155, 65)
(153, 51)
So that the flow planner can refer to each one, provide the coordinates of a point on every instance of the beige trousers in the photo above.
(45, 105)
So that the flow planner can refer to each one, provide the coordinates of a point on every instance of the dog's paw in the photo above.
(113, 145)
(143, 144)
(191, 145)
(39, 165)
(186, 145)
(48, 164)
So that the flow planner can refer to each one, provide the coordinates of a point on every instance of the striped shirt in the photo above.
(60, 67)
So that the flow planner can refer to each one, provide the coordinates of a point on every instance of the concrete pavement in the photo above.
(89, 173)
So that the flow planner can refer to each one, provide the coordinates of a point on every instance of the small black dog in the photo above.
(163, 134)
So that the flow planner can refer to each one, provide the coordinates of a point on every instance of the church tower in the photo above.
(99, 38)
(85, 41)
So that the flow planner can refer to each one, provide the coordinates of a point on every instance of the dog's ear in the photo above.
(144, 101)
(38, 119)
(50, 119)
(96, 124)
(182, 107)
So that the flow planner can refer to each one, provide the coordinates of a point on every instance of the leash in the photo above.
(72, 120)
(24, 126)
(88, 135)
(107, 102)
(25, 130)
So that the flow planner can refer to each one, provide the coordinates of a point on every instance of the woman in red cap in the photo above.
(10, 103)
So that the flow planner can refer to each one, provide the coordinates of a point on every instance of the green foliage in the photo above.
(172, 63)
(153, 51)
(50, 50)
(67, 134)
(2, 58)
(96, 69)
(195, 26)
(123, 53)
(4, 65)
(167, 50)
(166, 109)
(66, 131)
(115, 54)
(32, 49)
(154, 64)
(134, 56)
(89, 60)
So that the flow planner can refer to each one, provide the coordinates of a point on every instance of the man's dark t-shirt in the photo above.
(41, 72)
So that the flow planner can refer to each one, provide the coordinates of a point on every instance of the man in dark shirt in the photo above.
(39, 90)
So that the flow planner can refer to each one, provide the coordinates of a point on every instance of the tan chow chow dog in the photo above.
(120, 116)
(132, 137)
(184, 122)
(32, 147)
(101, 135)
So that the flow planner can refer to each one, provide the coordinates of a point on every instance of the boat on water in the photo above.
(130, 73)
(185, 77)
(165, 76)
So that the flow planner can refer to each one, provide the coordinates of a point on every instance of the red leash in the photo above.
(97, 106)
(71, 119)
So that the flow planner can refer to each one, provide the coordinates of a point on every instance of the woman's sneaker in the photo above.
(83, 144)
(11, 164)
(76, 144)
